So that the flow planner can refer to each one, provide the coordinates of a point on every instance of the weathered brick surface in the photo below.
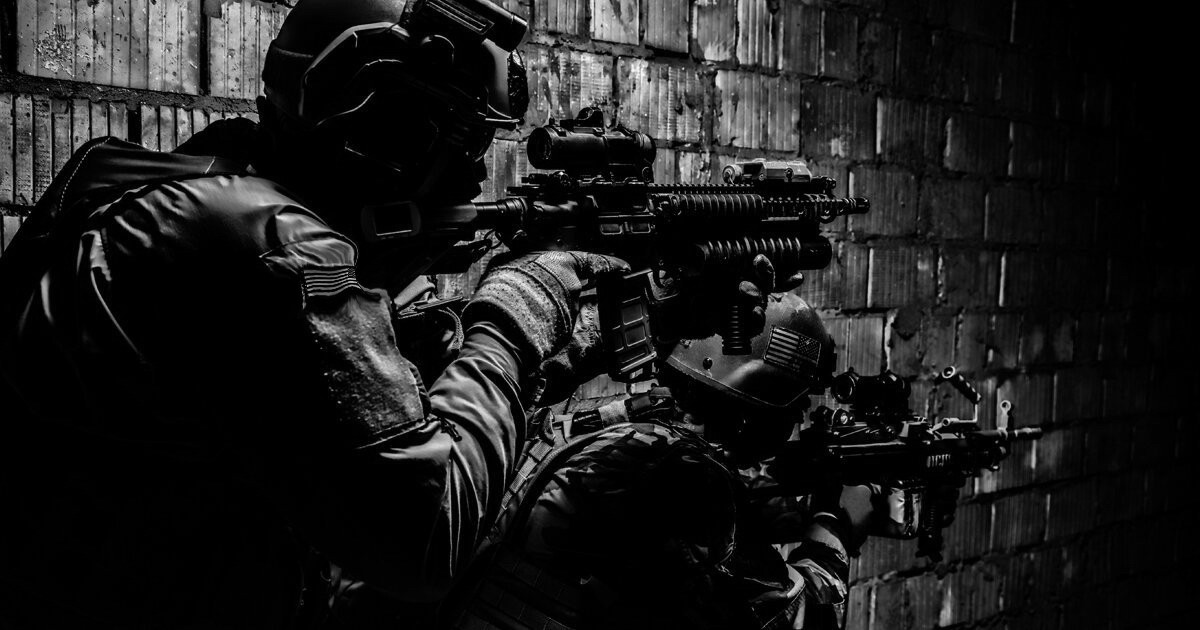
(953, 208)
(1013, 153)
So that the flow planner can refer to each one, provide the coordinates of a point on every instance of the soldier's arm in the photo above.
(281, 343)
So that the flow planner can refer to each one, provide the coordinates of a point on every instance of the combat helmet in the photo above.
(791, 358)
(413, 87)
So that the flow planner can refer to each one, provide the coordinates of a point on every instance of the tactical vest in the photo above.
(507, 590)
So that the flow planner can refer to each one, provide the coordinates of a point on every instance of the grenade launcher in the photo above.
(878, 440)
(600, 197)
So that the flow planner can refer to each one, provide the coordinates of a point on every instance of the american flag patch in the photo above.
(786, 349)
(327, 282)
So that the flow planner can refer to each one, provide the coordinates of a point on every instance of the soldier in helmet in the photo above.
(635, 515)
(199, 368)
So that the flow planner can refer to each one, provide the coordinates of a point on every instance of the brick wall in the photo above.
(1010, 148)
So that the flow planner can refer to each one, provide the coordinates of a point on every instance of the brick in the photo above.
(877, 52)
(1121, 497)
(969, 536)
(953, 208)
(977, 144)
(561, 16)
(1125, 391)
(9, 225)
(1078, 280)
(1032, 398)
(800, 38)
(1038, 152)
(239, 34)
(43, 146)
(694, 168)
(1020, 520)
(1031, 23)
(900, 275)
(616, 21)
(1016, 80)
(7, 166)
(1025, 279)
(836, 122)
(863, 347)
(970, 353)
(137, 43)
(760, 29)
(986, 18)
(843, 283)
(562, 82)
(507, 163)
(893, 195)
(946, 74)
(914, 69)
(666, 23)
(1127, 282)
(1078, 394)
(885, 555)
(713, 35)
(972, 593)
(1004, 340)
(890, 604)
(1072, 510)
(756, 111)
(924, 600)
(938, 332)
(1097, 100)
(909, 132)
(1071, 217)
(1067, 93)
(1046, 337)
(1017, 470)
(839, 43)
(903, 335)
(858, 606)
(970, 277)
(1059, 454)
(920, 343)
(665, 101)
(981, 73)
(1106, 447)
(1154, 441)
(1091, 159)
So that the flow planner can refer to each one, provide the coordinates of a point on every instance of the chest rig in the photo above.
(506, 589)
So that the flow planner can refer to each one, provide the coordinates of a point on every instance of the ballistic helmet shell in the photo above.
(791, 358)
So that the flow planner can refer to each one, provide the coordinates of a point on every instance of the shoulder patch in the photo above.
(329, 282)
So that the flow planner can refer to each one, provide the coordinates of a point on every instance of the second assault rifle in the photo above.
(600, 197)
(878, 440)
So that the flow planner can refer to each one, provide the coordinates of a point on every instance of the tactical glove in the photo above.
(535, 298)
(581, 360)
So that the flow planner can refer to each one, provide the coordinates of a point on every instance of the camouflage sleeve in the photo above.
(822, 563)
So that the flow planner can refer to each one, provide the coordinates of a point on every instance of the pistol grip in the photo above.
(625, 323)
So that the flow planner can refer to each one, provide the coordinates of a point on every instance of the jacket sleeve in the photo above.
(419, 476)
(390, 481)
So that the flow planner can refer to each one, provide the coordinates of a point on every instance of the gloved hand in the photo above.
(701, 307)
(579, 361)
(869, 510)
(534, 298)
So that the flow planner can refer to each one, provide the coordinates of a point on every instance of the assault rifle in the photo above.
(878, 440)
(600, 197)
